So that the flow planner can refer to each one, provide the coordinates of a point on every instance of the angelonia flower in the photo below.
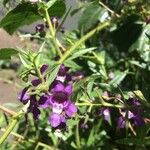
(55, 21)
(39, 28)
(105, 113)
(57, 99)
(134, 115)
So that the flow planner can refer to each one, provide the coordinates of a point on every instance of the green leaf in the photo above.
(71, 64)
(142, 44)
(81, 52)
(100, 56)
(118, 78)
(6, 53)
(134, 141)
(71, 122)
(53, 74)
(50, 3)
(57, 9)
(25, 60)
(139, 95)
(23, 14)
(91, 15)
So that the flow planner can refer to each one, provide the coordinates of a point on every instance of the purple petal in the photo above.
(59, 87)
(63, 70)
(44, 101)
(55, 120)
(43, 68)
(138, 120)
(71, 109)
(23, 96)
(121, 122)
(130, 115)
(106, 114)
(134, 102)
(68, 89)
(36, 113)
(35, 82)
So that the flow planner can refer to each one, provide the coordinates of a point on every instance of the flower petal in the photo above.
(121, 122)
(36, 113)
(35, 82)
(59, 87)
(57, 108)
(23, 96)
(55, 120)
(43, 68)
(44, 101)
(71, 109)
(68, 89)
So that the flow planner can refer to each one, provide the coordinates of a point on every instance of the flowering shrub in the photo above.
(83, 89)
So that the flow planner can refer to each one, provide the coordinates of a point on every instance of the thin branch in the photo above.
(111, 11)
(30, 140)
(100, 27)
(8, 111)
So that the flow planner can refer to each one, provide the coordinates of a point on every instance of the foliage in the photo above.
(106, 60)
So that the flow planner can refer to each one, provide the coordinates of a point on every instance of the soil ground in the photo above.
(8, 77)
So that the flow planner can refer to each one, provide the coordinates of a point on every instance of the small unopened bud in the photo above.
(39, 28)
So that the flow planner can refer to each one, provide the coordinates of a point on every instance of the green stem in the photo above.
(38, 72)
(105, 105)
(14, 122)
(52, 33)
(77, 135)
(84, 38)
(8, 131)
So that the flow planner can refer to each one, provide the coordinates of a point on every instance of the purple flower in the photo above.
(55, 119)
(121, 122)
(61, 93)
(23, 96)
(134, 115)
(43, 68)
(62, 74)
(61, 105)
(44, 101)
(105, 112)
(35, 82)
(39, 28)
(55, 21)
(70, 109)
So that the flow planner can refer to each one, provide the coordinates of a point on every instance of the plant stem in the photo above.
(77, 136)
(9, 129)
(14, 122)
(38, 72)
(84, 38)
(29, 140)
(8, 111)
(52, 33)
(108, 9)
(104, 104)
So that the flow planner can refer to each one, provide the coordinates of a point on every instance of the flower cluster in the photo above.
(131, 111)
(134, 115)
(57, 98)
